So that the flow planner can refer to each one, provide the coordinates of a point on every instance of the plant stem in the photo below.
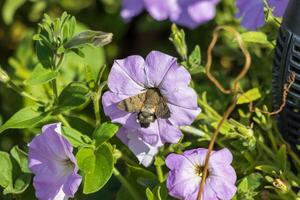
(63, 120)
(160, 174)
(23, 93)
(54, 88)
(95, 99)
(126, 184)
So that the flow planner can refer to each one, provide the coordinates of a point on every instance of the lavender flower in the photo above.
(252, 12)
(53, 164)
(160, 75)
(189, 13)
(186, 171)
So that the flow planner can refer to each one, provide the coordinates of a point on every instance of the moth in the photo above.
(149, 105)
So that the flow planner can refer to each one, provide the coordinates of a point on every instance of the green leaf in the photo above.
(73, 96)
(25, 118)
(21, 157)
(98, 171)
(269, 169)
(41, 75)
(255, 37)
(86, 160)
(20, 185)
(75, 137)
(281, 158)
(5, 170)
(149, 194)
(9, 8)
(195, 57)
(249, 96)
(44, 54)
(104, 132)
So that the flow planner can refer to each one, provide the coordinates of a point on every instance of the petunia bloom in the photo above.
(160, 75)
(189, 13)
(53, 164)
(186, 172)
(252, 12)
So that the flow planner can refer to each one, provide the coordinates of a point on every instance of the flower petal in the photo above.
(158, 9)
(222, 156)
(110, 102)
(143, 151)
(168, 133)
(158, 66)
(131, 8)
(223, 189)
(182, 116)
(279, 6)
(126, 76)
(71, 185)
(184, 97)
(206, 8)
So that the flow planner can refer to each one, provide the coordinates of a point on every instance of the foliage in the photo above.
(56, 70)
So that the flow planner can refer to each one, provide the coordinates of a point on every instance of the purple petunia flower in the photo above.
(160, 74)
(252, 12)
(186, 171)
(53, 164)
(189, 13)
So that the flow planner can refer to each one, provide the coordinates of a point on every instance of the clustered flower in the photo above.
(161, 74)
(52, 162)
(252, 12)
(189, 13)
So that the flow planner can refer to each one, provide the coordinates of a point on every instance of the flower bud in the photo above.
(96, 38)
(4, 78)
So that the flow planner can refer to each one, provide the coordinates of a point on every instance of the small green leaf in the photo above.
(267, 169)
(104, 132)
(281, 158)
(25, 118)
(149, 194)
(44, 54)
(75, 137)
(249, 96)
(195, 57)
(41, 75)
(255, 37)
(73, 96)
(20, 185)
(21, 157)
(96, 178)
(5, 170)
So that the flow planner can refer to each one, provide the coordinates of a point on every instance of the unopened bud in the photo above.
(278, 183)
(96, 38)
(4, 78)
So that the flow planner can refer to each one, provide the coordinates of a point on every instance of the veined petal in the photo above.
(158, 66)
(279, 6)
(122, 77)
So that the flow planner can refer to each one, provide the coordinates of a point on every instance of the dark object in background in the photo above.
(287, 60)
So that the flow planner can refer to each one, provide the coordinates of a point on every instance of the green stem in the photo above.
(63, 120)
(126, 184)
(160, 174)
(55, 93)
(96, 108)
(23, 93)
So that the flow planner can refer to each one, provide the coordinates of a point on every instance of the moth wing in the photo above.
(133, 104)
(162, 110)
